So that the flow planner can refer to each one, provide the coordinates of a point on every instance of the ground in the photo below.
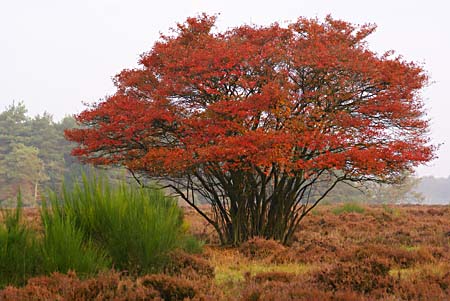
(340, 252)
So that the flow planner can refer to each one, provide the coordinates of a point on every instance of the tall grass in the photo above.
(136, 227)
(60, 247)
(65, 247)
(19, 249)
(92, 226)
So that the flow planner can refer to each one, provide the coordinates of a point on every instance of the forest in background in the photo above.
(35, 157)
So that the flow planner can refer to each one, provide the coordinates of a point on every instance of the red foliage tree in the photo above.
(254, 118)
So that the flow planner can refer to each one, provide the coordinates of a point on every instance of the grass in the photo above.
(422, 270)
(348, 208)
(65, 248)
(136, 227)
(409, 248)
(91, 227)
(19, 249)
(231, 268)
(192, 245)
(237, 274)
(60, 247)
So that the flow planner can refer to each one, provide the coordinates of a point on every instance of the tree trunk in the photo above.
(35, 204)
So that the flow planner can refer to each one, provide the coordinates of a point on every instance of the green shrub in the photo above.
(19, 250)
(137, 227)
(91, 227)
(62, 247)
(65, 248)
(192, 245)
(348, 208)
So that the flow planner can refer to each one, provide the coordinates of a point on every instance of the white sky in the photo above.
(56, 54)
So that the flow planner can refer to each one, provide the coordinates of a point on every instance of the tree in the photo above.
(434, 190)
(35, 156)
(254, 118)
(13, 130)
(54, 150)
(404, 190)
(22, 169)
(13, 127)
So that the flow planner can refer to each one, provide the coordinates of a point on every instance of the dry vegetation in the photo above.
(378, 253)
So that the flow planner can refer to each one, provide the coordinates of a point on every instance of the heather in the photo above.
(386, 252)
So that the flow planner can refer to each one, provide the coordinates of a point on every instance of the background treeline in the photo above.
(434, 190)
(35, 157)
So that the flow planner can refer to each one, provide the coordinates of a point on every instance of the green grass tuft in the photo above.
(348, 208)
(391, 210)
(192, 245)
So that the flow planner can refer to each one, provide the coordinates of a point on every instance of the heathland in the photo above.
(341, 252)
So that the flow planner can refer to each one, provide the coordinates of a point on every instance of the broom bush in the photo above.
(137, 227)
(92, 226)
(19, 249)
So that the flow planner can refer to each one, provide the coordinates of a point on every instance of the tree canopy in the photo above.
(254, 118)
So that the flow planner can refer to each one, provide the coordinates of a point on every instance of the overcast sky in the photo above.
(57, 54)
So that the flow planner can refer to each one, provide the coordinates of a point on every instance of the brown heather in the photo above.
(260, 248)
(390, 254)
